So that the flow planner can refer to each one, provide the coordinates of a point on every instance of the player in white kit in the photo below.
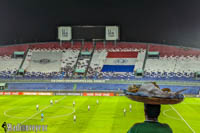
(130, 107)
(51, 101)
(124, 112)
(37, 107)
(74, 118)
(74, 103)
(97, 101)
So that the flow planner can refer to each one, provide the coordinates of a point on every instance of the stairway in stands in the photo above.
(24, 58)
(145, 59)
(93, 49)
(84, 59)
(75, 66)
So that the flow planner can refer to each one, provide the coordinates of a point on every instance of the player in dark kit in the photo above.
(42, 117)
(4, 125)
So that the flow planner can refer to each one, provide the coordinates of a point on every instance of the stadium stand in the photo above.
(140, 60)
(99, 69)
(9, 66)
(88, 46)
(173, 51)
(50, 45)
(9, 50)
(96, 64)
(159, 67)
(76, 45)
(93, 59)
(69, 59)
(187, 64)
(172, 67)
(65, 56)
(41, 60)
(84, 59)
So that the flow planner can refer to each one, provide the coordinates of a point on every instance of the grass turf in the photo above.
(106, 117)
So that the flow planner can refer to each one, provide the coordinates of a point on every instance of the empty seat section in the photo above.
(77, 45)
(87, 46)
(9, 66)
(9, 50)
(45, 61)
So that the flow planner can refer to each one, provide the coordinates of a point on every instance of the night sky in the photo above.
(156, 21)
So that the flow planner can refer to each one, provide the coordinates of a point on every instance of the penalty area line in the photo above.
(182, 119)
(39, 111)
(172, 117)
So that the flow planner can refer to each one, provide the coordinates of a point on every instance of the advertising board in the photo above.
(27, 93)
(97, 94)
(68, 94)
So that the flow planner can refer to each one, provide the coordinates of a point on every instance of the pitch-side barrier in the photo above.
(64, 93)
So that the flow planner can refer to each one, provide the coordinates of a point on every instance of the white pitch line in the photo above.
(35, 114)
(39, 112)
(165, 114)
(57, 116)
(182, 118)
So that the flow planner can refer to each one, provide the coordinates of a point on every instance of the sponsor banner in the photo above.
(2, 93)
(21, 93)
(38, 93)
(64, 33)
(7, 93)
(97, 94)
(45, 93)
(88, 94)
(60, 94)
(120, 94)
(27, 93)
(78, 81)
(16, 93)
(10, 93)
(68, 94)
(74, 94)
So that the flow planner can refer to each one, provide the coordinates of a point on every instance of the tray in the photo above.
(154, 100)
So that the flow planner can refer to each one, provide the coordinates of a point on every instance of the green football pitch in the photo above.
(105, 117)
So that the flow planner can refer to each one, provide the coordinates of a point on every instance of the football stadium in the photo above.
(87, 79)
(91, 79)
